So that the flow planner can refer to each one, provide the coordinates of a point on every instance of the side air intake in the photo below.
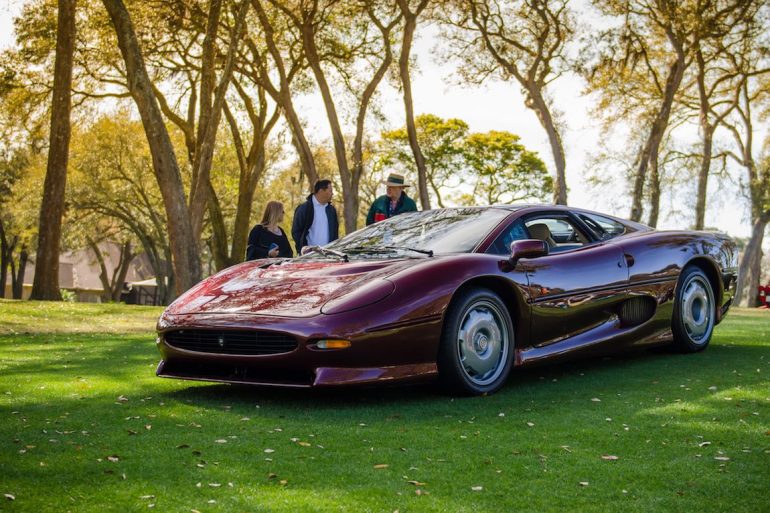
(636, 311)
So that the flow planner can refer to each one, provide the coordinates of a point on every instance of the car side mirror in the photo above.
(527, 248)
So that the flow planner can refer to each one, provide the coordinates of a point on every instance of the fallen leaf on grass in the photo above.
(530, 424)
(283, 482)
(704, 444)
(416, 483)
(304, 444)
(583, 483)
(183, 446)
(220, 441)
(269, 451)
(122, 399)
(147, 497)
(609, 457)
(113, 459)
(596, 400)
(381, 465)
(721, 458)
(9, 496)
(477, 488)
(214, 485)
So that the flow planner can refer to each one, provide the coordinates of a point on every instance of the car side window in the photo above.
(603, 227)
(502, 244)
(557, 231)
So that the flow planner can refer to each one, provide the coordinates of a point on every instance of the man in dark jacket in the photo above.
(394, 202)
(315, 221)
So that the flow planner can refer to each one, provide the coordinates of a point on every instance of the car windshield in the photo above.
(456, 230)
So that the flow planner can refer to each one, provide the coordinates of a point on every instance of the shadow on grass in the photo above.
(620, 372)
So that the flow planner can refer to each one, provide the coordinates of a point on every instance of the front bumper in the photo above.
(320, 377)
(398, 351)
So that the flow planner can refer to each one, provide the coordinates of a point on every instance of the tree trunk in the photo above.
(6, 253)
(46, 282)
(106, 294)
(186, 260)
(207, 133)
(749, 271)
(18, 279)
(539, 105)
(658, 129)
(340, 152)
(703, 176)
(707, 135)
(654, 191)
(283, 98)
(119, 276)
(403, 65)
(219, 232)
(243, 214)
(112, 287)
(351, 210)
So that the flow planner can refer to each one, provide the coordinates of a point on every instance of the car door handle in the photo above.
(629, 259)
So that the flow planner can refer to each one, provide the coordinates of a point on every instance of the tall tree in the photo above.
(410, 25)
(643, 62)
(440, 141)
(524, 40)
(212, 103)
(502, 170)
(113, 187)
(187, 264)
(46, 281)
(753, 95)
(345, 47)
(282, 93)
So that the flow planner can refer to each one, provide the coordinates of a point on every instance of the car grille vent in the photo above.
(231, 342)
(636, 311)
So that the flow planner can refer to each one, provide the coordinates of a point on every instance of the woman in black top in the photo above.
(267, 239)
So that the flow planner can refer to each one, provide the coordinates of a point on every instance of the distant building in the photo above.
(79, 273)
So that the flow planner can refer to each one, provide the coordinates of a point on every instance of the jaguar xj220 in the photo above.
(462, 295)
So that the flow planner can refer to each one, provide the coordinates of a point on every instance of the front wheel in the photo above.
(476, 352)
(694, 311)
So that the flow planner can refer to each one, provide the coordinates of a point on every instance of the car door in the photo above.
(575, 287)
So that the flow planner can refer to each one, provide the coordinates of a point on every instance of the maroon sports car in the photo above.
(463, 295)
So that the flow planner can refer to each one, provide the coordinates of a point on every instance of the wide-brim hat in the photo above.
(395, 180)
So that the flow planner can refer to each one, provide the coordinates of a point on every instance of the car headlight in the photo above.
(365, 295)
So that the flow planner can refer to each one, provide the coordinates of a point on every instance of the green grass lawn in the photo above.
(85, 426)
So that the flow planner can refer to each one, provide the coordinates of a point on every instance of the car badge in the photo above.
(221, 341)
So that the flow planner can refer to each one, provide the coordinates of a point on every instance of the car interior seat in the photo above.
(540, 231)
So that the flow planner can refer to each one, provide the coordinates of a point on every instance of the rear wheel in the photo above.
(476, 352)
(694, 311)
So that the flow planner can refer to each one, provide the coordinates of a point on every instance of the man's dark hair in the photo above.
(321, 184)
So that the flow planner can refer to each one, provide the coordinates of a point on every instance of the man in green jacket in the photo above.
(394, 202)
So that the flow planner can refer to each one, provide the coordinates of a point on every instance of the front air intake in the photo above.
(240, 342)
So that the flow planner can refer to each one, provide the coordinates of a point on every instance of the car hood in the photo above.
(289, 288)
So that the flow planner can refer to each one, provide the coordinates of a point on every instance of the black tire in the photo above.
(694, 311)
(477, 342)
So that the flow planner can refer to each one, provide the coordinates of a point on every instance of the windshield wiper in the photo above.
(428, 252)
(364, 249)
(326, 252)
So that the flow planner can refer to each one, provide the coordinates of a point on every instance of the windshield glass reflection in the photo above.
(440, 231)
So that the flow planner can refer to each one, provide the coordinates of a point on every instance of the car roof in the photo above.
(534, 207)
